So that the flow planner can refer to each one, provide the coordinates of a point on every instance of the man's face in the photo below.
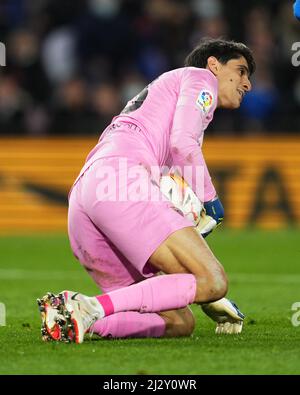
(233, 79)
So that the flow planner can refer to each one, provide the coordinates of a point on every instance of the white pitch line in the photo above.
(269, 278)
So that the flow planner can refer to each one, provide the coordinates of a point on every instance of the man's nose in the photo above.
(247, 85)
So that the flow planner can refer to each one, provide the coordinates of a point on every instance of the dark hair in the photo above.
(223, 50)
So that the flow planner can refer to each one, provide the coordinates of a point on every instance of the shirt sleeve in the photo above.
(196, 103)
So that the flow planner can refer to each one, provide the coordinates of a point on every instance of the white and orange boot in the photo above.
(66, 317)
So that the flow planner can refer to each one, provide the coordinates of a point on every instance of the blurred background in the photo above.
(71, 65)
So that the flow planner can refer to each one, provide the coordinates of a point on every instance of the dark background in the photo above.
(73, 64)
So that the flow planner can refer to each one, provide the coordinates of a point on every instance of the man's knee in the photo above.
(179, 322)
(212, 287)
(187, 326)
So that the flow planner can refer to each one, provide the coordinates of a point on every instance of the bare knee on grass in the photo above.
(186, 252)
(179, 322)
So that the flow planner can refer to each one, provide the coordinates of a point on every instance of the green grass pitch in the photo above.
(264, 274)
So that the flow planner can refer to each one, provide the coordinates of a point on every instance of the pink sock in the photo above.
(166, 292)
(130, 324)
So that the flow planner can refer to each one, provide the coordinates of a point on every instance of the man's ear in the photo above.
(213, 65)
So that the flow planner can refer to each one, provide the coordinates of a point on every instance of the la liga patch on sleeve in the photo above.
(205, 101)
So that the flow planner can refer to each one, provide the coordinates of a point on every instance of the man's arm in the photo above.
(196, 102)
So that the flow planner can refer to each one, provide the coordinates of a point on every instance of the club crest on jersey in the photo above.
(204, 101)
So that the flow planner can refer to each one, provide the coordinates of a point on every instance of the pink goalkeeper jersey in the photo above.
(171, 115)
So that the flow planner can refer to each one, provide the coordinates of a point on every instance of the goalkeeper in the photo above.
(124, 243)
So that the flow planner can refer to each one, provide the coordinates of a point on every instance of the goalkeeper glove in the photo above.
(212, 216)
(297, 9)
(227, 315)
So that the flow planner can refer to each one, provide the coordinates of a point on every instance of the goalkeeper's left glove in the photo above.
(227, 315)
(297, 9)
(211, 217)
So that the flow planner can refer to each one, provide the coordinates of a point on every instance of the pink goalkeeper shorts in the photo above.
(114, 239)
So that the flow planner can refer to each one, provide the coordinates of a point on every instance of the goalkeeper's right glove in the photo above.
(226, 314)
(212, 216)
